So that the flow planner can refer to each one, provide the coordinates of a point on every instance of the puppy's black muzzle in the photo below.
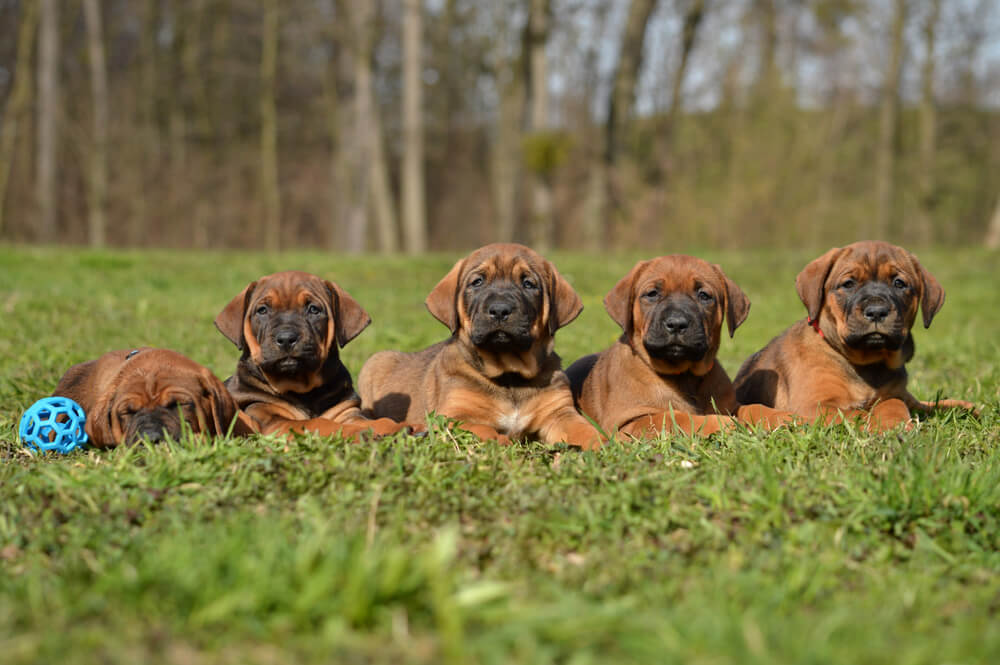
(875, 318)
(153, 425)
(288, 346)
(676, 333)
(502, 321)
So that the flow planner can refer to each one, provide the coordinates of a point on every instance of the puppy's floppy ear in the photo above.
(222, 407)
(737, 302)
(442, 301)
(618, 302)
(564, 302)
(89, 385)
(78, 383)
(350, 317)
(230, 319)
(811, 281)
(932, 293)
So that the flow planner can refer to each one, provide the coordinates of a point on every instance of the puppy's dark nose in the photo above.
(676, 322)
(876, 311)
(500, 310)
(152, 433)
(286, 339)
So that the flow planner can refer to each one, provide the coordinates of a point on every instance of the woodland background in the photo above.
(409, 125)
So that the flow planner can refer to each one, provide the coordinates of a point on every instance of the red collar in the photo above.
(814, 324)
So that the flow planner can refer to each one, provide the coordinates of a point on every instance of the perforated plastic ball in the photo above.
(54, 423)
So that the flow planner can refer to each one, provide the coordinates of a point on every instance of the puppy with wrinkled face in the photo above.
(290, 327)
(847, 359)
(497, 373)
(145, 393)
(662, 372)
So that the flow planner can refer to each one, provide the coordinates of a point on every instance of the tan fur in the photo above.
(131, 379)
(624, 389)
(496, 395)
(322, 402)
(817, 376)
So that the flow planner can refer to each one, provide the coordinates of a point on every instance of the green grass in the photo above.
(813, 545)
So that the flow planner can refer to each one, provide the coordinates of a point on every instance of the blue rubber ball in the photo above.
(54, 423)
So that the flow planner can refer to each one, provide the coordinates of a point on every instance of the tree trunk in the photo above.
(505, 146)
(414, 206)
(369, 127)
(885, 158)
(542, 224)
(626, 76)
(992, 240)
(928, 128)
(48, 118)
(269, 129)
(149, 132)
(767, 77)
(98, 169)
(603, 178)
(20, 96)
(692, 21)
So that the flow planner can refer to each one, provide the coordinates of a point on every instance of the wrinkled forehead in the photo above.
(677, 272)
(872, 260)
(154, 372)
(505, 261)
(290, 289)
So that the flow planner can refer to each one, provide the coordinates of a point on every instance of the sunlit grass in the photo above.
(808, 545)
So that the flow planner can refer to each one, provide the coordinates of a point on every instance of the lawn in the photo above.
(810, 545)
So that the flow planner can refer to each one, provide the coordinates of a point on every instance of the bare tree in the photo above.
(269, 129)
(619, 113)
(505, 146)
(885, 157)
(48, 118)
(928, 125)
(413, 203)
(20, 97)
(993, 230)
(98, 171)
(369, 126)
(767, 77)
(626, 75)
(693, 16)
(541, 229)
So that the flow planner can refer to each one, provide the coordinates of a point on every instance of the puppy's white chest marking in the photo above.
(512, 422)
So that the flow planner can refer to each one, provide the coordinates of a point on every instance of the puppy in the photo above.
(145, 393)
(662, 372)
(847, 358)
(290, 327)
(497, 373)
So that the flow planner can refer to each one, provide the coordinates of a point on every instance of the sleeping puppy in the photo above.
(847, 358)
(145, 393)
(497, 373)
(662, 372)
(290, 327)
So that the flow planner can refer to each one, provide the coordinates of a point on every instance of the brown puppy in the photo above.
(847, 358)
(143, 393)
(662, 372)
(290, 326)
(497, 373)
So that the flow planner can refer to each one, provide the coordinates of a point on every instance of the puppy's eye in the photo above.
(848, 284)
(652, 294)
(899, 284)
(704, 296)
(262, 309)
(476, 281)
(313, 308)
(529, 283)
